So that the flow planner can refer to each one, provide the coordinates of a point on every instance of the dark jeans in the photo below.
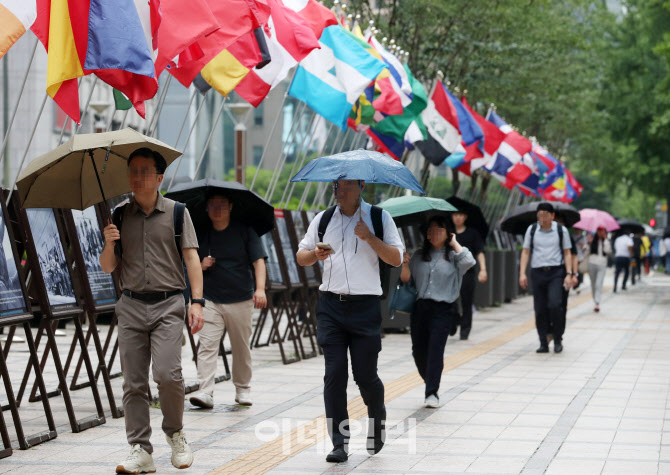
(353, 327)
(430, 324)
(548, 300)
(636, 270)
(467, 298)
(622, 264)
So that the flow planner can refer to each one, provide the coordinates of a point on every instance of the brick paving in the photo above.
(599, 407)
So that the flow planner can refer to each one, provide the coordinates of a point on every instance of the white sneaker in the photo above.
(137, 461)
(202, 400)
(432, 401)
(182, 457)
(243, 396)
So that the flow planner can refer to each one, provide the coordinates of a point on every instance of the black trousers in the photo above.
(353, 327)
(467, 298)
(636, 270)
(548, 300)
(621, 264)
(429, 326)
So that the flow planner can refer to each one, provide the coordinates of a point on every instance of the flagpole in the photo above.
(276, 175)
(88, 101)
(272, 130)
(211, 134)
(295, 162)
(344, 143)
(321, 185)
(188, 138)
(161, 103)
(188, 110)
(25, 154)
(303, 199)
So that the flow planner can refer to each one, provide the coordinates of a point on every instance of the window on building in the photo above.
(258, 153)
(258, 115)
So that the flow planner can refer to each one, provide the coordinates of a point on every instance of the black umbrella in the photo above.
(666, 232)
(523, 216)
(630, 226)
(248, 207)
(475, 216)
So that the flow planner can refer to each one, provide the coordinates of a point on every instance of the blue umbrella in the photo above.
(371, 167)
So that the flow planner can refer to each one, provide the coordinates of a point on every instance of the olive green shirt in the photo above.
(150, 260)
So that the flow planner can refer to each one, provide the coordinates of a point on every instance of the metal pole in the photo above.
(322, 185)
(344, 143)
(183, 122)
(272, 131)
(303, 198)
(295, 162)
(161, 102)
(295, 126)
(25, 154)
(5, 114)
(211, 134)
(8, 128)
(188, 138)
(88, 101)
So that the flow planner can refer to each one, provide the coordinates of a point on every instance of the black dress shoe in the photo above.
(376, 433)
(337, 455)
(542, 349)
(558, 347)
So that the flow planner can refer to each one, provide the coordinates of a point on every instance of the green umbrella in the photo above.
(413, 210)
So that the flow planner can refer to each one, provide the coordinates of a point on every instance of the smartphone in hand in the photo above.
(325, 247)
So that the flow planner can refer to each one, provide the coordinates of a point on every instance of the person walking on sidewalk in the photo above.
(547, 246)
(472, 240)
(574, 256)
(600, 248)
(666, 243)
(348, 311)
(438, 271)
(151, 310)
(231, 255)
(623, 251)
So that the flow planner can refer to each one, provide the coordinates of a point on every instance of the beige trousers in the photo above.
(236, 317)
(151, 332)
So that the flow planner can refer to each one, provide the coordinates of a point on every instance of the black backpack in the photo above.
(177, 220)
(559, 228)
(378, 225)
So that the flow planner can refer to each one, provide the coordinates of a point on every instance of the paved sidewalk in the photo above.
(599, 407)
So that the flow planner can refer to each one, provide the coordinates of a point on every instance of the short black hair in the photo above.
(546, 207)
(146, 152)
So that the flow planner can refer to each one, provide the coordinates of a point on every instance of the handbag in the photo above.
(403, 298)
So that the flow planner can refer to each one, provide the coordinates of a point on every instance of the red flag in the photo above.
(493, 137)
(182, 24)
(317, 15)
(248, 15)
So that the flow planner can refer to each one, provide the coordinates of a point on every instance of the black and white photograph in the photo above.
(51, 257)
(90, 240)
(272, 262)
(300, 232)
(289, 255)
(11, 295)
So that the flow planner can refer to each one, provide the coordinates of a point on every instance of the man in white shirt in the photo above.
(666, 242)
(349, 311)
(623, 251)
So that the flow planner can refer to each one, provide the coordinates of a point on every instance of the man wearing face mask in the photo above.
(351, 238)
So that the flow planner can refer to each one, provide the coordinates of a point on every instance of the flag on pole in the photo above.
(121, 102)
(330, 80)
(441, 121)
(248, 15)
(289, 39)
(512, 164)
(386, 144)
(489, 144)
(318, 16)
(16, 17)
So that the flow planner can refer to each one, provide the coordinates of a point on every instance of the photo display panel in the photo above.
(300, 233)
(91, 243)
(310, 216)
(11, 294)
(289, 255)
(51, 257)
(272, 262)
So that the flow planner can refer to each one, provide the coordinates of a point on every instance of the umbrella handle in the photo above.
(95, 168)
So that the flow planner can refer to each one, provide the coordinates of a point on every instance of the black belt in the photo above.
(547, 268)
(349, 297)
(151, 297)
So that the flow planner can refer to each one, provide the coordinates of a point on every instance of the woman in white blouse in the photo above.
(600, 249)
(437, 271)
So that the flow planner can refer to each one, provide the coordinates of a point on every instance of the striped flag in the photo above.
(16, 17)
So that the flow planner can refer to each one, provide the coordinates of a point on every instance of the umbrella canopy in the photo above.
(592, 219)
(521, 217)
(248, 207)
(67, 178)
(371, 167)
(413, 210)
(475, 216)
(630, 226)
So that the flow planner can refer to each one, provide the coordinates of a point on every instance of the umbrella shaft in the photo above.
(95, 168)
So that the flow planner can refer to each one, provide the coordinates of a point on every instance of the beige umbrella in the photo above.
(85, 170)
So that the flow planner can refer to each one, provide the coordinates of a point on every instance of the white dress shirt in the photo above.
(621, 245)
(354, 266)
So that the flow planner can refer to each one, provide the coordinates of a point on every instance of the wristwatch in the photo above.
(200, 301)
